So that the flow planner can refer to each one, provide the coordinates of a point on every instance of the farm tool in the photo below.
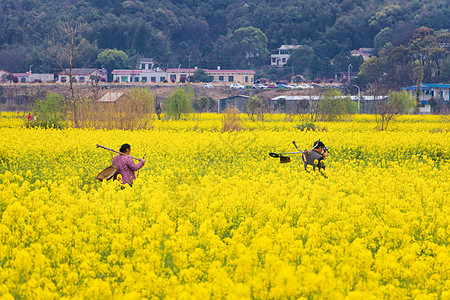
(110, 171)
(283, 157)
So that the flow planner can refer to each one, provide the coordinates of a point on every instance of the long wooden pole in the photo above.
(100, 146)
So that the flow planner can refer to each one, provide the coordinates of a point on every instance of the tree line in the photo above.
(228, 33)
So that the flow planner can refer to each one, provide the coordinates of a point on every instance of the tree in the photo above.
(382, 38)
(204, 103)
(252, 43)
(179, 103)
(333, 106)
(50, 111)
(387, 16)
(418, 77)
(200, 76)
(111, 59)
(396, 103)
(300, 61)
(68, 50)
(254, 105)
(10, 77)
(370, 71)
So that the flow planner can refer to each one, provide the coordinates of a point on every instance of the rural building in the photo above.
(365, 53)
(34, 77)
(3, 75)
(240, 102)
(305, 104)
(438, 92)
(231, 76)
(221, 76)
(81, 75)
(145, 63)
(147, 75)
(179, 74)
(26, 77)
(280, 56)
(144, 72)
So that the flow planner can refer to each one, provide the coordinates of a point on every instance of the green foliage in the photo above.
(301, 61)
(230, 34)
(113, 59)
(396, 103)
(308, 125)
(333, 106)
(200, 76)
(179, 103)
(252, 44)
(204, 104)
(400, 102)
(49, 112)
(254, 105)
(2, 96)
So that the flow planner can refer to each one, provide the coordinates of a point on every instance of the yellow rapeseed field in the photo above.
(211, 215)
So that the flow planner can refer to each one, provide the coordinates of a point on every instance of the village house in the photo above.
(280, 56)
(218, 75)
(439, 92)
(34, 77)
(365, 53)
(81, 75)
(25, 77)
(231, 76)
(144, 72)
(3, 75)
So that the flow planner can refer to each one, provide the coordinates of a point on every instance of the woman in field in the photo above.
(125, 165)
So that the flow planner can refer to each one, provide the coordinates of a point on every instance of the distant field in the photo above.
(211, 215)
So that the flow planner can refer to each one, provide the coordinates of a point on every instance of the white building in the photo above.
(81, 75)
(129, 76)
(280, 56)
(440, 92)
(144, 72)
(34, 77)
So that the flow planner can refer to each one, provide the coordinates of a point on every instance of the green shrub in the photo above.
(307, 125)
(49, 112)
(179, 103)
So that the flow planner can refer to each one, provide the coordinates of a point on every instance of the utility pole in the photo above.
(359, 97)
(29, 73)
(189, 70)
(349, 67)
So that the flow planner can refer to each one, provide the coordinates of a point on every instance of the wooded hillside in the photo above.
(211, 33)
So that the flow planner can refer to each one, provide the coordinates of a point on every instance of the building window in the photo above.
(173, 76)
(23, 80)
(211, 78)
(142, 66)
(136, 79)
(153, 79)
(220, 78)
(246, 78)
(161, 79)
(81, 79)
(274, 60)
(123, 78)
(284, 59)
(144, 79)
(230, 78)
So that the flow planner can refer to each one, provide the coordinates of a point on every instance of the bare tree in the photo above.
(396, 103)
(70, 47)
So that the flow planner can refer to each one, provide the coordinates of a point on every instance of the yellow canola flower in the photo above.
(211, 215)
